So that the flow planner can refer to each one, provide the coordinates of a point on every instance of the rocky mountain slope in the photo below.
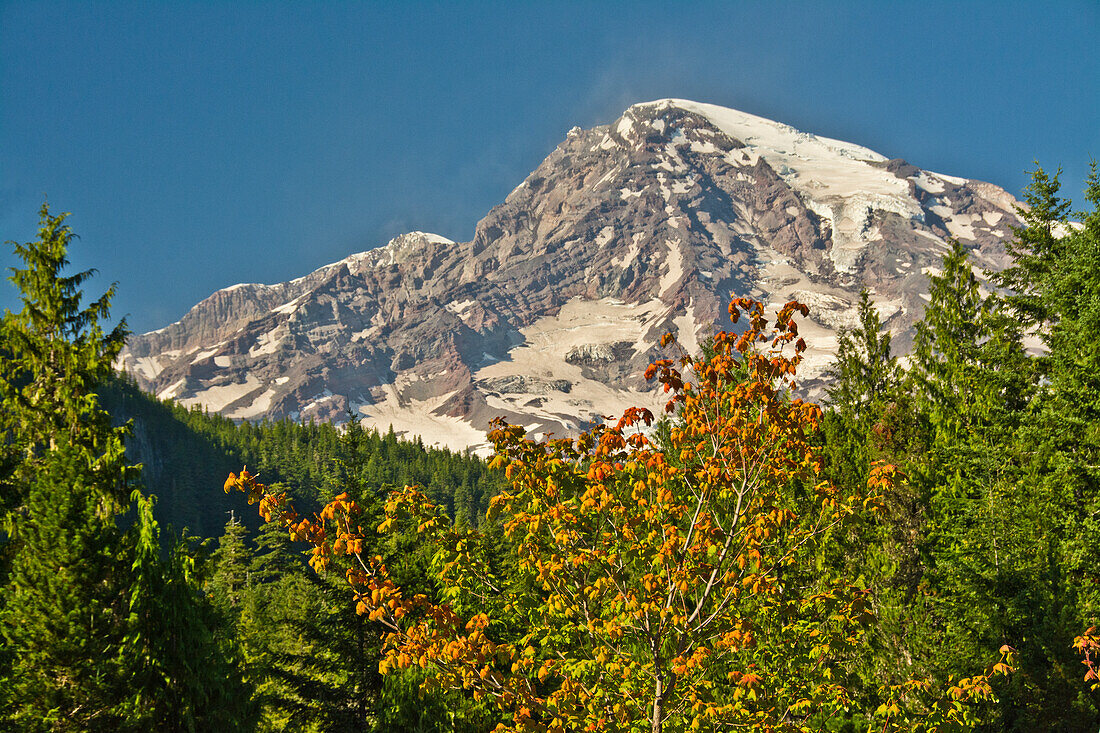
(549, 315)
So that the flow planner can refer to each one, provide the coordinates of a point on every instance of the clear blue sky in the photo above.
(200, 144)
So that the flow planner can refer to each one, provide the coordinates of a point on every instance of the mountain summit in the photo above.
(550, 314)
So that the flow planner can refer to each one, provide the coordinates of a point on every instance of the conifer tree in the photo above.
(331, 671)
(1059, 446)
(1071, 297)
(1035, 249)
(946, 353)
(99, 632)
(55, 353)
(181, 674)
(60, 619)
(996, 556)
(230, 579)
(276, 599)
(969, 365)
(865, 371)
(274, 557)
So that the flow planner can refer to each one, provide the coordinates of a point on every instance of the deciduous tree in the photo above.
(641, 589)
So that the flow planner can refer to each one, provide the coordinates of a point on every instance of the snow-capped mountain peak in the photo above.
(549, 315)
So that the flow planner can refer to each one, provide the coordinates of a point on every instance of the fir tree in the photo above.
(277, 600)
(969, 366)
(995, 564)
(68, 478)
(331, 672)
(865, 372)
(55, 353)
(62, 614)
(182, 673)
(1035, 249)
(99, 633)
(274, 557)
(1059, 451)
(230, 579)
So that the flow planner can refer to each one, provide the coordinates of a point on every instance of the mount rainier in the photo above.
(550, 314)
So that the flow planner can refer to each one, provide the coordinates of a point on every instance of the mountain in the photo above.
(549, 315)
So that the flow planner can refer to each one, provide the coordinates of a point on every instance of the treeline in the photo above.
(186, 453)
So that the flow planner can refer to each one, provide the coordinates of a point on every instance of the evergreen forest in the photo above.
(920, 552)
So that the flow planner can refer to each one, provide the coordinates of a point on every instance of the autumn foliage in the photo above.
(1088, 644)
(644, 584)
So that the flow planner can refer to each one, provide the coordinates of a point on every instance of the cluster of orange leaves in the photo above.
(331, 532)
(1088, 645)
(953, 711)
(649, 583)
(438, 637)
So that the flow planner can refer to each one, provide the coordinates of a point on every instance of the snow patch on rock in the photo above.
(219, 397)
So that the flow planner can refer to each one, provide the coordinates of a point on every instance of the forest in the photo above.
(920, 552)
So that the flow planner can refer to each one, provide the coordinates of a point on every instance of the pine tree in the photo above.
(332, 670)
(100, 633)
(865, 372)
(55, 353)
(1059, 449)
(67, 479)
(62, 614)
(969, 366)
(1072, 306)
(1035, 249)
(998, 567)
(276, 601)
(947, 341)
(182, 674)
(230, 579)
(274, 557)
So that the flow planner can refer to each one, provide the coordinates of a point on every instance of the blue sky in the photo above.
(201, 144)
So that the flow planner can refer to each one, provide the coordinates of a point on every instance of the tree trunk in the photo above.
(658, 706)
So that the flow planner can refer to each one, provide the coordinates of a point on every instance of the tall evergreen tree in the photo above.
(329, 677)
(1059, 447)
(275, 557)
(997, 566)
(1035, 249)
(99, 632)
(969, 367)
(1056, 292)
(62, 615)
(1073, 410)
(55, 352)
(181, 673)
(230, 580)
(865, 373)
(60, 618)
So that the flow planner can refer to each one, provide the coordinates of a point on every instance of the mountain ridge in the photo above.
(547, 316)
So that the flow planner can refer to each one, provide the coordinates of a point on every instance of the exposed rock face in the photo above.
(549, 316)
